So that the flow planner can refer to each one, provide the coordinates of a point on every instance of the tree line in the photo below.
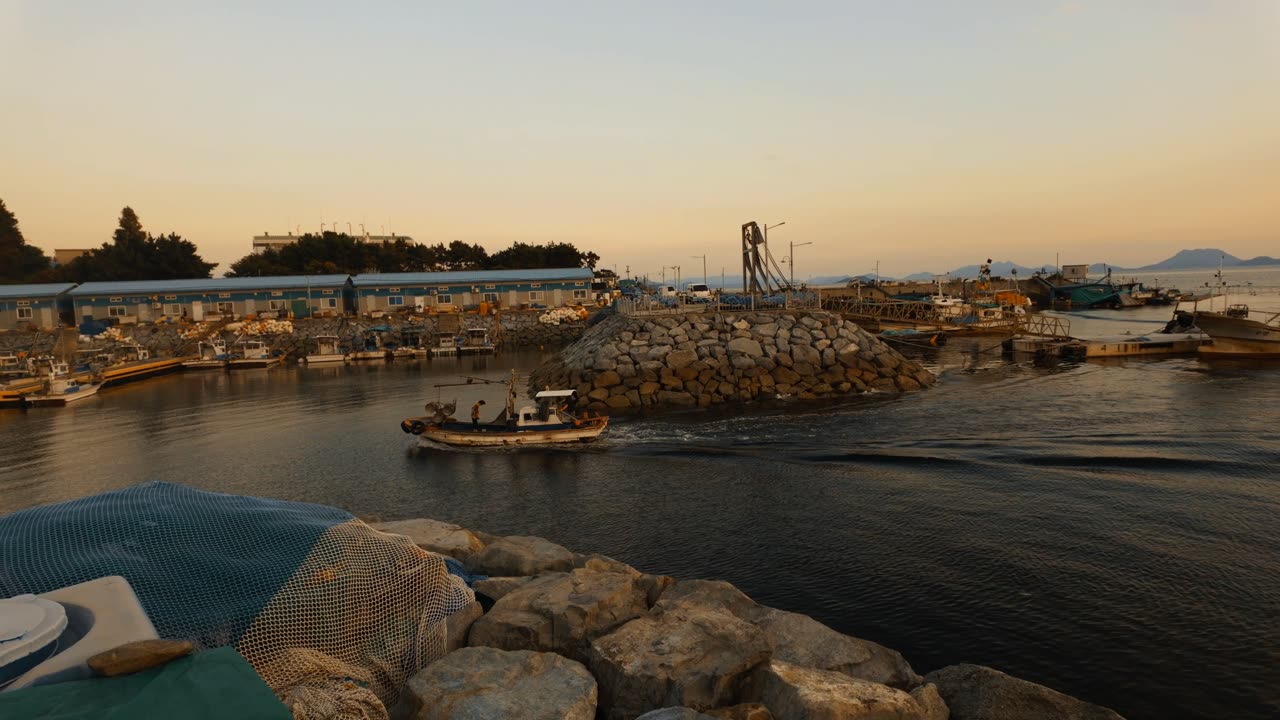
(134, 254)
(332, 252)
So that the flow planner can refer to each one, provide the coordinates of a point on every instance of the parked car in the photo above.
(698, 291)
(667, 291)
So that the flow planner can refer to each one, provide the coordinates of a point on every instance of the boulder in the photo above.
(458, 625)
(976, 692)
(521, 555)
(765, 329)
(680, 399)
(496, 587)
(745, 346)
(649, 388)
(927, 697)
(561, 613)
(745, 711)
(488, 683)
(710, 595)
(687, 656)
(438, 537)
(805, 354)
(792, 692)
(681, 358)
(801, 640)
(607, 379)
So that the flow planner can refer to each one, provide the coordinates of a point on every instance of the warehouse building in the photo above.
(201, 299)
(467, 289)
(24, 306)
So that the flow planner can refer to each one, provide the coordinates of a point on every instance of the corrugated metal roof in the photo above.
(38, 290)
(200, 285)
(463, 277)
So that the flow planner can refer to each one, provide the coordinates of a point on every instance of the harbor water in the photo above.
(1109, 529)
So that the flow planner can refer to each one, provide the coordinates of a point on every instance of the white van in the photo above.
(667, 291)
(698, 290)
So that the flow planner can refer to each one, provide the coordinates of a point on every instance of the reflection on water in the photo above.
(1107, 529)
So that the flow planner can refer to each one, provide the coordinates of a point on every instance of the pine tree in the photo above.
(19, 262)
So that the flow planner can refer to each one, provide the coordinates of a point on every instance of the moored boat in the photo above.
(327, 351)
(210, 355)
(252, 354)
(1238, 334)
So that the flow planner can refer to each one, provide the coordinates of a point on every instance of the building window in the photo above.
(277, 293)
(170, 297)
(490, 287)
(490, 297)
(224, 295)
(326, 292)
(394, 290)
(226, 308)
(444, 299)
(24, 303)
(536, 285)
(579, 294)
(579, 284)
(328, 303)
(116, 311)
(116, 300)
(24, 313)
(395, 300)
(443, 288)
(275, 305)
(535, 296)
(173, 310)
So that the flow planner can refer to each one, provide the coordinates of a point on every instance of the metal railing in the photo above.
(646, 305)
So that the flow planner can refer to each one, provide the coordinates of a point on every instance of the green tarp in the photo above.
(213, 685)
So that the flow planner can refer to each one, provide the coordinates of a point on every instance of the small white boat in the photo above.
(369, 347)
(61, 389)
(476, 340)
(327, 351)
(550, 421)
(446, 344)
(210, 355)
(1233, 333)
(252, 354)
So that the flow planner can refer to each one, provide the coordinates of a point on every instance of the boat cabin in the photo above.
(254, 350)
(213, 350)
(446, 343)
(548, 409)
(475, 340)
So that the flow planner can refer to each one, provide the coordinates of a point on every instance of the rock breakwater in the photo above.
(586, 636)
(703, 359)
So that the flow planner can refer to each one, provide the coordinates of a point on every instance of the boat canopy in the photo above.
(555, 394)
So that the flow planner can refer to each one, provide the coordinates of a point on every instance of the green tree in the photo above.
(19, 262)
(134, 254)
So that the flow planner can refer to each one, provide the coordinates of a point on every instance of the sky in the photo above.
(920, 135)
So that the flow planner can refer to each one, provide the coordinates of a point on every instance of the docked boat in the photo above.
(1234, 333)
(445, 344)
(252, 354)
(550, 420)
(61, 386)
(476, 340)
(369, 345)
(210, 355)
(327, 351)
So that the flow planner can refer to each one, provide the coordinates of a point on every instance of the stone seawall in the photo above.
(537, 328)
(703, 359)
(559, 635)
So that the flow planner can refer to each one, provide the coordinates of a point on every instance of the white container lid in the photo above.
(28, 624)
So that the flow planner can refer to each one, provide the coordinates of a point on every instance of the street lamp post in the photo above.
(793, 261)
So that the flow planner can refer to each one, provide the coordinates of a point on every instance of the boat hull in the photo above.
(323, 359)
(61, 399)
(500, 438)
(1238, 336)
(252, 363)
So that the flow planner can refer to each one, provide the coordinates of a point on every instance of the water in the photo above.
(1108, 529)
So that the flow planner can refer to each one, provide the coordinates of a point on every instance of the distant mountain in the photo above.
(828, 280)
(1192, 260)
(1003, 268)
(1258, 261)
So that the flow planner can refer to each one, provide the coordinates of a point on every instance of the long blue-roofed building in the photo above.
(41, 306)
(199, 299)
(465, 289)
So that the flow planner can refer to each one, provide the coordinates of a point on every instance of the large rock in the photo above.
(801, 640)
(475, 683)
(521, 555)
(806, 354)
(681, 358)
(745, 711)
(561, 613)
(495, 588)
(746, 346)
(438, 537)
(710, 595)
(930, 700)
(976, 692)
(685, 656)
(792, 692)
(458, 625)
(675, 713)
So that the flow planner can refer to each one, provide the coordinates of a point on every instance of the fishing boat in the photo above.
(550, 420)
(327, 351)
(252, 354)
(445, 344)
(476, 340)
(369, 346)
(210, 355)
(1237, 334)
(61, 386)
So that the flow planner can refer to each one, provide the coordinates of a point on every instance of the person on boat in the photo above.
(475, 415)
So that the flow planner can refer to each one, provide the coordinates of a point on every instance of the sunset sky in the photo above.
(925, 135)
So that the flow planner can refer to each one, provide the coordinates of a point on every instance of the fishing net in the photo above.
(334, 615)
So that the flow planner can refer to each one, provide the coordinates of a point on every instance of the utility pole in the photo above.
(704, 267)
(792, 258)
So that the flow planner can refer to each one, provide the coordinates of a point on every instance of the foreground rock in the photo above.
(675, 713)
(703, 359)
(495, 588)
(475, 683)
(518, 555)
(976, 692)
(684, 657)
(438, 537)
(561, 613)
(792, 692)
